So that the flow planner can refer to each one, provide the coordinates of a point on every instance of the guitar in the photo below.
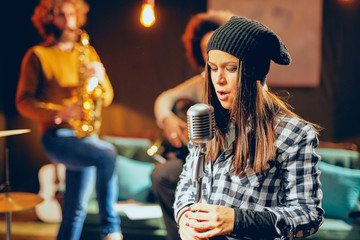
(51, 180)
(160, 147)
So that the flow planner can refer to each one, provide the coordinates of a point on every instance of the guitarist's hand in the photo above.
(175, 130)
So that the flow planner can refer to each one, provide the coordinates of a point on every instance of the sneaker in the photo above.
(113, 236)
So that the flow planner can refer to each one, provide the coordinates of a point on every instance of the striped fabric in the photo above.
(249, 39)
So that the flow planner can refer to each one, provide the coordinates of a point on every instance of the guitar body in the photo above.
(51, 180)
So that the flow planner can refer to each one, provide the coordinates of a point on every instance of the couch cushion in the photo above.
(133, 179)
(336, 229)
(341, 190)
(132, 148)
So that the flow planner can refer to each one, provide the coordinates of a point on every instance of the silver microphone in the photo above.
(201, 123)
(201, 129)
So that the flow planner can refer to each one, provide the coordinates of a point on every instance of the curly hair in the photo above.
(44, 11)
(197, 27)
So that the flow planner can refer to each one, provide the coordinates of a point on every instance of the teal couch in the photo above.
(340, 184)
(340, 180)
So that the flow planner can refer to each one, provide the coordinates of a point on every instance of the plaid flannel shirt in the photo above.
(289, 187)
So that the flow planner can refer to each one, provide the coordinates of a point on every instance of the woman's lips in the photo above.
(223, 95)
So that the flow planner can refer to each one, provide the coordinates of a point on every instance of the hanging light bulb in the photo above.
(147, 17)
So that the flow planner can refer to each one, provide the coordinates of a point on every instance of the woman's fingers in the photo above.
(186, 232)
(211, 220)
(200, 216)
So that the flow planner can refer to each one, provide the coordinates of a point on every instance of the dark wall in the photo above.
(334, 104)
(341, 67)
(142, 62)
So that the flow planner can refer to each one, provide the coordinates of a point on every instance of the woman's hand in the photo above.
(210, 220)
(186, 232)
(174, 130)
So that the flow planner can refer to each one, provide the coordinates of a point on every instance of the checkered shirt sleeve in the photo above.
(289, 187)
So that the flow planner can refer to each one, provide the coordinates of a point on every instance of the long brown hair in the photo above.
(254, 113)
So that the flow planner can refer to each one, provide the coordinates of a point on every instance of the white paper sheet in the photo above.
(136, 211)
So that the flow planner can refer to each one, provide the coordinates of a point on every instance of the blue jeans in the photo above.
(88, 160)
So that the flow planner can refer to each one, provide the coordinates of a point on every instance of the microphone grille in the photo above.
(201, 123)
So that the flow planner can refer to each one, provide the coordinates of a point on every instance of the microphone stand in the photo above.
(201, 127)
(198, 168)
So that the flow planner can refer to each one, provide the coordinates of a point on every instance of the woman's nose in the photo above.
(220, 77)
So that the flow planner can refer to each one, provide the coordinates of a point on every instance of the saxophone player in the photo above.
(48, 83)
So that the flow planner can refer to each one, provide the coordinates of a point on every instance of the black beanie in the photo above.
(251, 42)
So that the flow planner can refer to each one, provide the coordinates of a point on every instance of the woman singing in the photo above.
(261, 179)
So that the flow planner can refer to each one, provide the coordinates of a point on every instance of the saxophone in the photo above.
(89, 94)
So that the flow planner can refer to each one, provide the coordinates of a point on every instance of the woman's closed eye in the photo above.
(213, 69)
(231, 69)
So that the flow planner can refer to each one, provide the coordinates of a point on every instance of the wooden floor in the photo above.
(24, 225)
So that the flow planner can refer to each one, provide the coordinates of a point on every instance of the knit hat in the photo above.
(251, 42)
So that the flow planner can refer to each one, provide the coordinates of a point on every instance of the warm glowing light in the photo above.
(85, 127)
(93, 83)
(84, 41)
(87, 105)
(147, 17)
(98, 92)
(152, 150)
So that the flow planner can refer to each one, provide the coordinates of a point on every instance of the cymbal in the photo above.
(13, 132)
(19, 201)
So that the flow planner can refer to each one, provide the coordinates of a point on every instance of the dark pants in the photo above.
(164, 179)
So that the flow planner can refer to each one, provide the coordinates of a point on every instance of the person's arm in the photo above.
(184, 194)
(104, 79)
(301, 214)
(172, 125)
(185, 197)
(26, 101)
(256, 224)
(206, 221)
(191, 89)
